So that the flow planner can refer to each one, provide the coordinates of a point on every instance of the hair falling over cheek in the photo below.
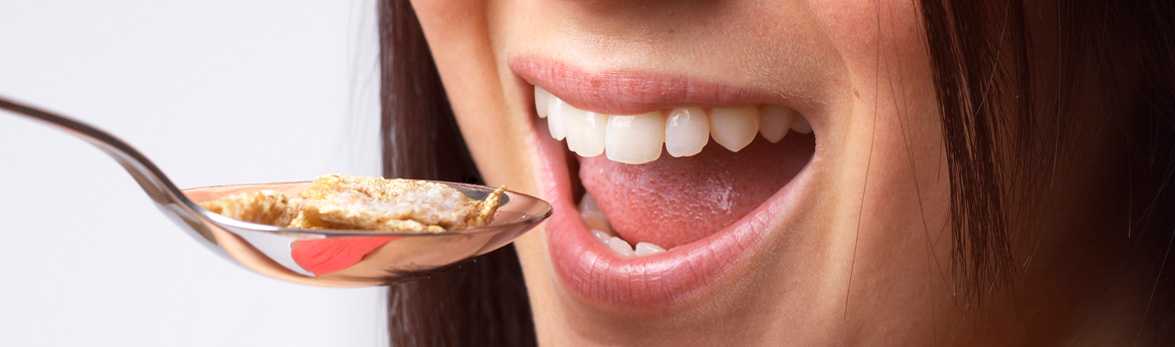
(479, 302)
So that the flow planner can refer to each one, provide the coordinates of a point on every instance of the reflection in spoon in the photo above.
(326, 256)
(319, 257)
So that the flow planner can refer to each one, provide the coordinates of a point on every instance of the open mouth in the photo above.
(659, 183)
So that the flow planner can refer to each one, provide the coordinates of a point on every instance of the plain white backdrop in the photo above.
(214, 92)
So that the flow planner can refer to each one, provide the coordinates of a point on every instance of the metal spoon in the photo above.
(338, 258)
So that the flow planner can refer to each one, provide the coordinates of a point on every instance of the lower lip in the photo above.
(595, 274)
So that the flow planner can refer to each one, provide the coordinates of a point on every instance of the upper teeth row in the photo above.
(637, 139)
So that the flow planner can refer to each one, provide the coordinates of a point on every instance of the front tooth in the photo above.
(774, 122)
(800, 125)
(542, 101)
(620, 247)
(734, 127)
(686, 131)
(645, 248)
(572, 126)
(585, 132)
(595, 133)
(557, 115)
(601, 235)
(635, 139)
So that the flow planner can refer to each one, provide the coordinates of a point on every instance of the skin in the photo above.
(866, 259)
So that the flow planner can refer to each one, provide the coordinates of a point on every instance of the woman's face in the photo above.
(674, 110)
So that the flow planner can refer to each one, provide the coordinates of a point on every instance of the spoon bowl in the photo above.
(338, 258)
(351, 258)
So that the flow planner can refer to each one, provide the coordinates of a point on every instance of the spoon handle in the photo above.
(162, 191)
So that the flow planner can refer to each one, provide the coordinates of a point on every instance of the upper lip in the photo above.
(630, 91)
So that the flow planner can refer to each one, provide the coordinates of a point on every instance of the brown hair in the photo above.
(1003, 95)
(1007, 75)
(1008, 93)
(477, 303)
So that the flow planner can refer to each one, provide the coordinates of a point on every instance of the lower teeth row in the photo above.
(598, 224)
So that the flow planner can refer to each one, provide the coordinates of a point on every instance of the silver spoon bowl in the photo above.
(337, 258)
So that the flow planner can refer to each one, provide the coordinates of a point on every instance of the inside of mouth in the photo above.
(673, 201)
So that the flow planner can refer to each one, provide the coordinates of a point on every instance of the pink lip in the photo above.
(630, 92)
(587, 268)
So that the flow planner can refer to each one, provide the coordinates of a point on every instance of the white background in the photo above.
(214, 92)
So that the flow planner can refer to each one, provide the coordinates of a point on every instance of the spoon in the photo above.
(335, 258)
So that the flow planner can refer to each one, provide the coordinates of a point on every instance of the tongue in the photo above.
(674, 201)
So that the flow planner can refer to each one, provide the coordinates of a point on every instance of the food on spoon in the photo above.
(363, 203)
(263, 207)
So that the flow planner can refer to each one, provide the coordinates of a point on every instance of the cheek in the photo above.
(892, 130)
(864, 30)
(496, 131)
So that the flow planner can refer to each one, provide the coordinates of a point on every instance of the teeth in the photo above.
(573, 124)
(557, 116)
(542, 101)
(686, 131)
(585, 132)
(601, 235)
(683, 131)
(620, 247)
(645, 248)
(774, 122)
(635, 139)
(598, 226)
(734, 127)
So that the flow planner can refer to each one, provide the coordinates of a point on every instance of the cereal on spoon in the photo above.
(363, 203)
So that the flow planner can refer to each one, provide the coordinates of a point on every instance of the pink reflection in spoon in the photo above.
(325, 256)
